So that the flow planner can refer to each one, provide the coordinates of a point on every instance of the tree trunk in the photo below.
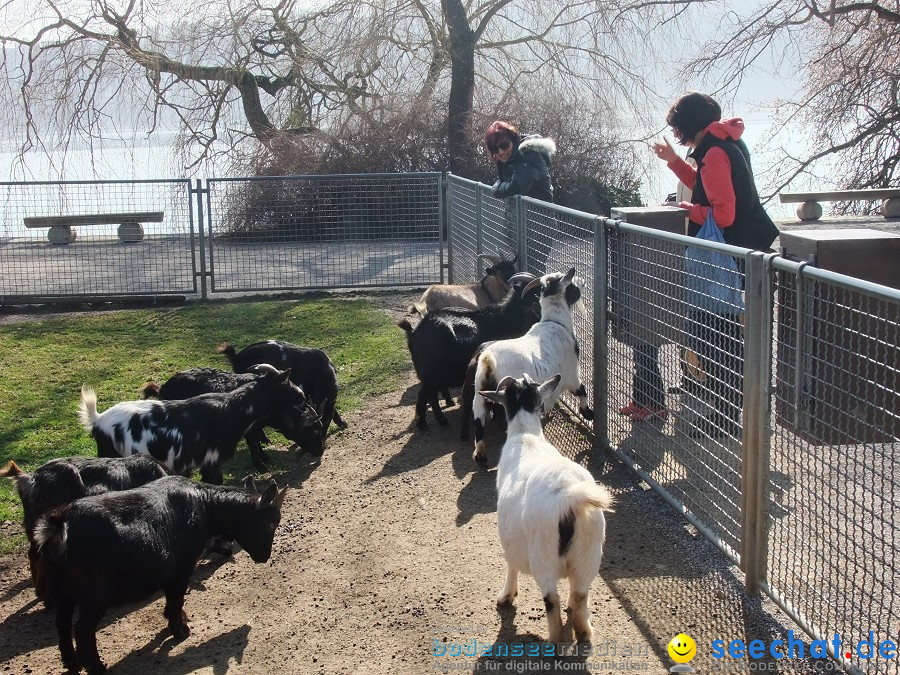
(462, 87)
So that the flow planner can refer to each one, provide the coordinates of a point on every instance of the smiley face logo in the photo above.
(682, 648)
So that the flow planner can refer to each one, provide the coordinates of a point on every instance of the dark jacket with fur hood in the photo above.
(527, 172)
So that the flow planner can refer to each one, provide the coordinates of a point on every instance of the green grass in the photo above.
(44, 363)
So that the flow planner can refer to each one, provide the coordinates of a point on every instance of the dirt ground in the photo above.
(387, 560)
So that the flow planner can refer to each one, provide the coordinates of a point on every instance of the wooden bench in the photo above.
(811, 209)
(62, 228)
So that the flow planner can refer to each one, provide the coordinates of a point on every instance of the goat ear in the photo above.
(569, 276)
(549, 386)
(495, 396)
(250, 483)
(283, 376)
(269, 495)
(279, 500)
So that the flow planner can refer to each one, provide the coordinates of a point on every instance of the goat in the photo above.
(490, 290)
(198, 432)
(549, 509)
(311, 369)
(442, 343)
(120, 547)
(300, 424)
(63, 480)
(548, 347)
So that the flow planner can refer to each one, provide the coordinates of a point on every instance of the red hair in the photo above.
(499, 131)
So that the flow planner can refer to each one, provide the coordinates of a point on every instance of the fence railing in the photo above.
(781, 426)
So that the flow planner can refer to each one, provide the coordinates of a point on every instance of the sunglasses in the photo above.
(502, 146)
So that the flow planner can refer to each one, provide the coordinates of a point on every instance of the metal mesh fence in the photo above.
(111, 238)
(304, 232)
(822, 446)
(673, 378)
(834, 487)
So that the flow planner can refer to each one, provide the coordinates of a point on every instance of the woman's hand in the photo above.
(665, 151)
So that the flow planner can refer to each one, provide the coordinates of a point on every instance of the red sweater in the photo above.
(716, 173)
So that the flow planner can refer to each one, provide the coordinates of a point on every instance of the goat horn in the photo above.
(489, 256)
(534, 284)
(262, 368)
(507, 253)
(521, 276)
(505, 382)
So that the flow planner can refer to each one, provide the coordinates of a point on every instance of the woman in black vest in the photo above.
(723, 183)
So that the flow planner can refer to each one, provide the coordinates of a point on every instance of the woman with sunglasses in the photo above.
(523, 162)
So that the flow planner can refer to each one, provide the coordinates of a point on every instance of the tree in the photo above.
(273, 71)
(849, 108)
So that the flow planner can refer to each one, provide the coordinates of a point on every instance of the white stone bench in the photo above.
(811, 209)
(62, 228)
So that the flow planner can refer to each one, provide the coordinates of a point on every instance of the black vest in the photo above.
(752, 227)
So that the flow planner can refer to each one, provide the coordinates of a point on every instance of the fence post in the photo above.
(444, 193)
(202, 239)
(601, 337)
(756, 442)
(522, 232)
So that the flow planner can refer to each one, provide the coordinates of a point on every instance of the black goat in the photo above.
(197, 433)
(299, 424)
(443, 342)
(63, 480)
(310, 369)
(121, 547)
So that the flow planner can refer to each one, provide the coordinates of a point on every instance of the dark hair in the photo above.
(691, 114)
(497, 133)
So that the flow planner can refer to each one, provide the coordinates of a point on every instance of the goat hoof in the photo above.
(505, 600)
(97, 669)
(481, 460)
(180, 632)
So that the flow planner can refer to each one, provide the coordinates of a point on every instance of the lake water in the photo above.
(136, 157)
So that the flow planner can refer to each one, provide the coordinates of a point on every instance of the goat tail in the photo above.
(226, 349)
(50, 532)
(87, 409)
(12, 470)
(586, 494)
(150, 390)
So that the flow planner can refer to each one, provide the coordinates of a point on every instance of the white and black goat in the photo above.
(302, 425)
(549, 509)
(442, 343)
(548, 347)
(490, 290)
(195, 433)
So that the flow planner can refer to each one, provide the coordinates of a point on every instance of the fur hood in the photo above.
(545, 146)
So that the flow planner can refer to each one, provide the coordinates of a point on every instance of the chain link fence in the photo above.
(772, 430)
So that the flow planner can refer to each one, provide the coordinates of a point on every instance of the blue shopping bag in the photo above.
(712, 279)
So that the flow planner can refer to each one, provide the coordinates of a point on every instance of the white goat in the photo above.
(549, 509)
(548, 347)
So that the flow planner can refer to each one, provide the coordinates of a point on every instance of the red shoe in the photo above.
(629, 409)
(645, 413)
